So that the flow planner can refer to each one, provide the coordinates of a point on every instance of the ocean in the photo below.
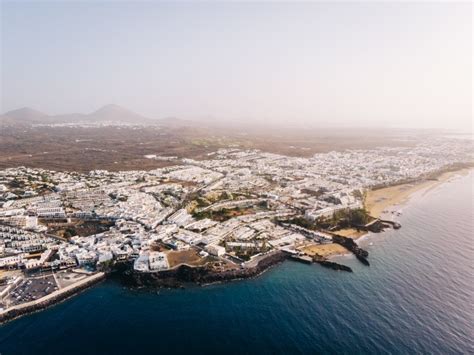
(415, 298)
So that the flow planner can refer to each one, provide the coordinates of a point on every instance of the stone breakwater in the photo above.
(200, 275)
(51, 299)
(330, 264)
(334, 266)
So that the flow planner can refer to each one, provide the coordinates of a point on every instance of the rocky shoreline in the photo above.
(350, 245)
(199, 275)
(184, 274)
(175, 278)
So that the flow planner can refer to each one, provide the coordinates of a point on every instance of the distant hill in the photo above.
(117, 114)
(25, 115)
(109, 113)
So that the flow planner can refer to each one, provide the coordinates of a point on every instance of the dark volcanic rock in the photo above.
(334, 266)
(350, 245)
(201, 275)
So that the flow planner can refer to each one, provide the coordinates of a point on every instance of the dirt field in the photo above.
(190, 257)
(85, 149)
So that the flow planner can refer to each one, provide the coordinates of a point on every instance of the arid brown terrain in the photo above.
(123, 148)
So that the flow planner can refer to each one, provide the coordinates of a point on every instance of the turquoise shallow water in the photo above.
(416, 297)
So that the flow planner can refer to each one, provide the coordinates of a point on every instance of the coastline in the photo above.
(392, 198)
(411, 262)
(200, 275)
(378, 200)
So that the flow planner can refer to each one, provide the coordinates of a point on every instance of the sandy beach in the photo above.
(379, 200)
(376, 202)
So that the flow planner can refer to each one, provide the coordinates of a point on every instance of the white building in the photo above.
(215, 250)
(158, 261)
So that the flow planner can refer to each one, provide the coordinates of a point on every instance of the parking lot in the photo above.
(32, 289)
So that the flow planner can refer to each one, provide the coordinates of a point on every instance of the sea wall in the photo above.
(51, 299)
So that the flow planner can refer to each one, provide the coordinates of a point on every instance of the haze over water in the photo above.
(416, 297)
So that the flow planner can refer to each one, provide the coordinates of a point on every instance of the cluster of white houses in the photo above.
(177, 206)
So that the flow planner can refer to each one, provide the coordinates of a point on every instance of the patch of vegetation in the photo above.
(263, 205)
(224, 214)
(45, 178)
(302, 222)
(340, 219)
(345, 219)
(358, 194)
(15, 184)
(81, 229)
(202, 202)
(69, 232)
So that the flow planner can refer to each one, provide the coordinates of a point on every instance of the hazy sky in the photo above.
(353, 64)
